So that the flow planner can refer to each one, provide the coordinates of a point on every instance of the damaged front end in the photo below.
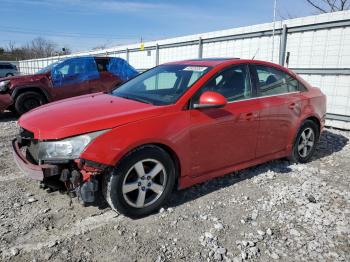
(56, 164)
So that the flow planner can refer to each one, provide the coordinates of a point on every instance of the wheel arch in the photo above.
(167, 149)
(175, 159)
(295, 131)
(314, 119)
(20, 90)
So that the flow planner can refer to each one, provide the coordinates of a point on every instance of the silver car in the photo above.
(7, 69)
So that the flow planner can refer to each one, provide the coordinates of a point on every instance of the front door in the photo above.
(224, 137)
(73, 77)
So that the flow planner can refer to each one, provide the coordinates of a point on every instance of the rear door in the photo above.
(224, 137)
(279, 104)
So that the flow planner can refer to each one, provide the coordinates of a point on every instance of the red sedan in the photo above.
(173, 126)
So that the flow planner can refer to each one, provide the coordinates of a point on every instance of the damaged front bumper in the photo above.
(79, 177)
(5, 101)
(36, 172)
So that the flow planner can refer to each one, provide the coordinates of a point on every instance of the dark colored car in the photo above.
(173, 126)
(68, 78)
(7, 69)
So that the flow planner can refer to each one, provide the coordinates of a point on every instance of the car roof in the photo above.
(204, 61)
(212, 62)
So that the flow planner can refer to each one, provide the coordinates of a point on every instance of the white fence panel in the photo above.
(178, 53)
(329, 48)
(337, 90)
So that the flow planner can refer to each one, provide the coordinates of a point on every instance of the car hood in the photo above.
(84, 114)
(24, 79)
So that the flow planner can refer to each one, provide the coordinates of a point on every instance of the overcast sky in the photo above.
(84, 24)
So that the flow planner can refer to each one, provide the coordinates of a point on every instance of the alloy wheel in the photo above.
(144, 183)
(306, 142)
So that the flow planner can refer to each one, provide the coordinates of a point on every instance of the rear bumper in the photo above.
(5, 101)
(36, 172)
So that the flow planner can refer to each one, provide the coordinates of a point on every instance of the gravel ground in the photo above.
(275, 211)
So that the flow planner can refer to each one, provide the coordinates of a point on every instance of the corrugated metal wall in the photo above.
(319, 48)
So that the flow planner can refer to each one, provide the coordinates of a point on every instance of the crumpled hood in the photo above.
(84, 114)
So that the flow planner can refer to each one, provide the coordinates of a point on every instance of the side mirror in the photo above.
(211, 99)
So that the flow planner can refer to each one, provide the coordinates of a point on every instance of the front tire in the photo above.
(28, 101)
(305, 142)
(141, 183)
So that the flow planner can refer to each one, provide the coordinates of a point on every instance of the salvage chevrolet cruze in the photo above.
(173, 126)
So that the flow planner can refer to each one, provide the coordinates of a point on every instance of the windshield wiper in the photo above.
(136, 99)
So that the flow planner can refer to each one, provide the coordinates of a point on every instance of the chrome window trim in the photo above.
(258, 97)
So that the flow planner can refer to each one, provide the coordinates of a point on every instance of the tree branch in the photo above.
(316, 6)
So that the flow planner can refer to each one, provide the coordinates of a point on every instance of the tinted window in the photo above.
(272, 81)
(2, 66)
(232, 83)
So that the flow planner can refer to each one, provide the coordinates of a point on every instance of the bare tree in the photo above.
(328, 6)
(11, 46)
(37, 48)
(41, 47)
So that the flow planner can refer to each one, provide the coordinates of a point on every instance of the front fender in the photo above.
(170, 130)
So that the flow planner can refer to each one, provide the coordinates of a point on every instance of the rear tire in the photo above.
(305, 142)
(141, 183)
(28, 101)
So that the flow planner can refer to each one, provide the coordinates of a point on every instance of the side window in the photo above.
(232, 83)
(2, 66)
(161, 81)
(273, 81)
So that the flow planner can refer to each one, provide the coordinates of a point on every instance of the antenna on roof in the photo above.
(257, 51)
